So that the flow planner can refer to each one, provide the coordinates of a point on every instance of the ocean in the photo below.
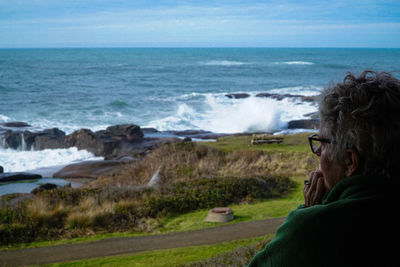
(166, 89)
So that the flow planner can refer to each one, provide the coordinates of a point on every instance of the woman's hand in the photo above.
(314, 189)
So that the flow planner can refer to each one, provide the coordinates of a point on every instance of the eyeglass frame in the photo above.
(322, 140)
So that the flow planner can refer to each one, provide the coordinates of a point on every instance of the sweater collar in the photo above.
(355, 185)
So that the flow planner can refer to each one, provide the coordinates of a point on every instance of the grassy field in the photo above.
(273, 208)
(232, 155)
(291, 143)
(194, 221)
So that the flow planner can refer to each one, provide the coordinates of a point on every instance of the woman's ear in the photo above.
(352, 161)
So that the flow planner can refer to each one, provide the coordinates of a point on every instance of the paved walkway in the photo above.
(132, 245)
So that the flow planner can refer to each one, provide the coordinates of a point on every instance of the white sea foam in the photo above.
(18, 161)
(69, 126)
(307, 90)
(181, 120)
(226, 63)
(294, 63)
(250, 114)
(224, 115)
(4, 118)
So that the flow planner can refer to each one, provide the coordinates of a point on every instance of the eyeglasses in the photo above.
(315, 143)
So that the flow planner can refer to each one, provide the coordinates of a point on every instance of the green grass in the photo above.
(267, 209)
(291, 143)
(168, 257)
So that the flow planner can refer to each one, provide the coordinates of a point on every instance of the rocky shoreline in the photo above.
(118, 145)
(115, 142)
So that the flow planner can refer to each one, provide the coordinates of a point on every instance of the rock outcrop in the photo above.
(107, 143)
(18, 176)
(15, 124)
(304, 124)
(238, 95)
(88, 169)
(44, 187)
(282, 96)
(49, 138)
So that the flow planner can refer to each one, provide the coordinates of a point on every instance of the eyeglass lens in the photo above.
(315, 145)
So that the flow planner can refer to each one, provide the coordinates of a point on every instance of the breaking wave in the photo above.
(221, 114)
(294, 63)
(225, 63)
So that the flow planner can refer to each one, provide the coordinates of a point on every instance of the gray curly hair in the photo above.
(363, 113)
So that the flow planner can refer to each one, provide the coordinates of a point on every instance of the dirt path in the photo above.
(132, 245)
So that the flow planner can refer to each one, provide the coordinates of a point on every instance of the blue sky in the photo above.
(221, 23)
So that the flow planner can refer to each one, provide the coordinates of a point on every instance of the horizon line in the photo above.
(195, 47)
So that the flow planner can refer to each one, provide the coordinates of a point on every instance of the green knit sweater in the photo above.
(356, 225)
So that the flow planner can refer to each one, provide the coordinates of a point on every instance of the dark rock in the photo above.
(282, 96)
(149, 130)
(309, 98)
(238, 95)
(190, 132)
(187, 139)
(125, 158)
(263, 95)
(49, 138)
(43, 187)
(125, 132)
(1, 169)
(106, 143)
(84, 139)
(12, 139)
(29, 138)
(15, 124)
(88, 169)
(197, 134)
(18, 176)
(96, 143)
(304, 124)
(114, 141)
(121, 149)
(274, 96)
(312, 115)
(138, 150)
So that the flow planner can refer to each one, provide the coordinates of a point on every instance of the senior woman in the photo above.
(350, 213)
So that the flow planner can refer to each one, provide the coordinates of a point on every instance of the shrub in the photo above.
(78, 220)
(105, 220)
(212, 192)
(13, 233)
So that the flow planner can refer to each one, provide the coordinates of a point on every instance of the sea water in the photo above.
(166, 89)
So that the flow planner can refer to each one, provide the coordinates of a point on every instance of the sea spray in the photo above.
(18, 161)
(246, 115)
(220, 114)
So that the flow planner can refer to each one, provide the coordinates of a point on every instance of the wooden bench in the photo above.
(258, 139)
